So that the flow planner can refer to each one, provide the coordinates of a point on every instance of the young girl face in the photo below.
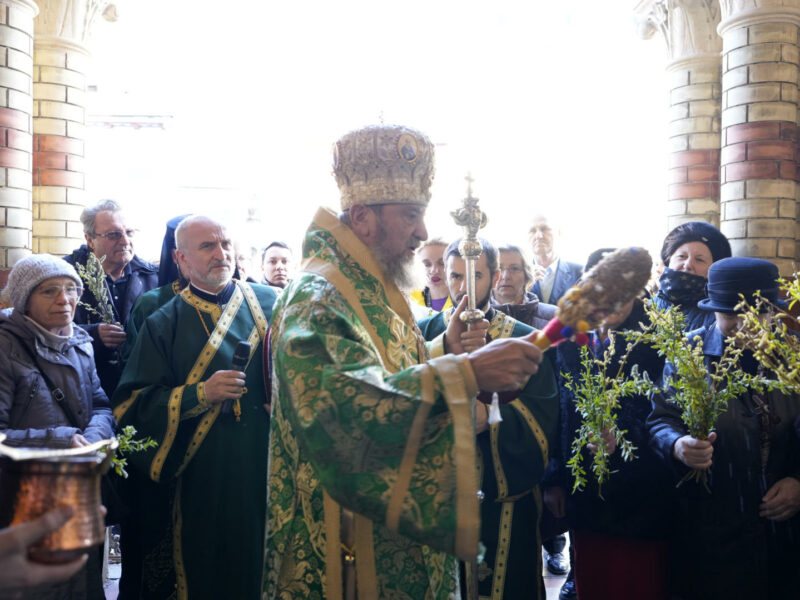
(432, 258)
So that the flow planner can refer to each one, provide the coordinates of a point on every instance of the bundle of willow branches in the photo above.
(94, 277)
(764, 331)
(702, 394)
(597, 396)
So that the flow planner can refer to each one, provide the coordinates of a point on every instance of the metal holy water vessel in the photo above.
(35, 481)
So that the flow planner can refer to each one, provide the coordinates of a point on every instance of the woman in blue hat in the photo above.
(688, 252)
(741, 539)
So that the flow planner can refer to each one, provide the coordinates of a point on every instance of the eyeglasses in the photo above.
(51, 292)
(115, 236)
(512, 269)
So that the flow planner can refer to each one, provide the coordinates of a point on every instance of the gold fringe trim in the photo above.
(173, 419)
(334, 583)
(181, 581)
(501, 556)
(405, 471)
(123, 407)
(534, 426)
(460, 405)
(366, 576)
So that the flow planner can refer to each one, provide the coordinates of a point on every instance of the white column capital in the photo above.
(70, 20)
(743, 13)
(28, 5)
(689, 27)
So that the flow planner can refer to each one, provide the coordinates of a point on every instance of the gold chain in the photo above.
(203, 321)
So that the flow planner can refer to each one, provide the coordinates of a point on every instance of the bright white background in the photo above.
(553, 107)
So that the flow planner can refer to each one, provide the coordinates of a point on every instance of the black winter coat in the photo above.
(143, 277)
(637, 496)
(721, 547)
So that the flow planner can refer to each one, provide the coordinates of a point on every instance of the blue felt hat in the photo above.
(729, 277)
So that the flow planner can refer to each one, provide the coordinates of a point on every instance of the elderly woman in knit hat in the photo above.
(50, 394)
(688, 252)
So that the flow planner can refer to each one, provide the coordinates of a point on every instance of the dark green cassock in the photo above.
(512, 456)
(146, 305)
(202, 535)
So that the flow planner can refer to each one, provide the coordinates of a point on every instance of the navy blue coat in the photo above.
(721, 547)
(143, 278)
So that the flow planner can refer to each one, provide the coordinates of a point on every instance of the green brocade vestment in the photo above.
(512, 456)
(364, 434)
(201, 522)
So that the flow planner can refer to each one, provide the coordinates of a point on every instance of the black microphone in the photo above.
(240, 357)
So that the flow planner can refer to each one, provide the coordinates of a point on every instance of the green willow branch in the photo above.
(702, 394)
(127, 445)
(94, 277)
(598, 397)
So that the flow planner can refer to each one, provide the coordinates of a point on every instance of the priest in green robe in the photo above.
(372, 481)
(201, 523)
(512, 453)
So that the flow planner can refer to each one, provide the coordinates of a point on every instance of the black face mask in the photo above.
(682, 288)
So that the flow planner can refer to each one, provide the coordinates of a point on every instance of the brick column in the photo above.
(694, 140)
(16, 67)
(689, 30)
(60, 61)
(759, 136)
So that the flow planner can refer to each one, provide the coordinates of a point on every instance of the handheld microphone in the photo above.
(240, 357)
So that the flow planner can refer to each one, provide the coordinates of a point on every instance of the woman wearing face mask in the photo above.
(688, 251)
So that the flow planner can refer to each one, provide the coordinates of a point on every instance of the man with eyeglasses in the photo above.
(109, 235)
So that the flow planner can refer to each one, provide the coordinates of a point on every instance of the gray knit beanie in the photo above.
(33, 270)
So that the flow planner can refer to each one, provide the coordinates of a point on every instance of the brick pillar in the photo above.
(689, 29)
(16, 67)
(694, 140)
(759, 135)
(60, 61)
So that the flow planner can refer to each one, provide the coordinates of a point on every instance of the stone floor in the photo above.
(552, 583)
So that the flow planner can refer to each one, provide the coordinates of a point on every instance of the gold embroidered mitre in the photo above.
(383, 164)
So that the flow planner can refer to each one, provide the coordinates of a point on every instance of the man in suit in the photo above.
(553, 276)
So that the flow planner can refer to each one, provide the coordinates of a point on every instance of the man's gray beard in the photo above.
(396, 269)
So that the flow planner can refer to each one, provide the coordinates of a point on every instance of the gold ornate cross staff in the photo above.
(471, 218)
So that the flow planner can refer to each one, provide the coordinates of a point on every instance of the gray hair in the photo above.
(89, 214)
(526, 263)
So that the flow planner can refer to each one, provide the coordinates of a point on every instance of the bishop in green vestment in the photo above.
(372, 481)
(512, 454)
(202, 534)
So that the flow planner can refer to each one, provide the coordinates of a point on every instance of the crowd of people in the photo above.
(333, 430)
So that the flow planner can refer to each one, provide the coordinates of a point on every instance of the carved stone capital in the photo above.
(689, 27)
(28, 5)
(70, 21)
(743, 13)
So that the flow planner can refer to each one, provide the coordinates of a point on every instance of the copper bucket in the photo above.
(33, 482)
